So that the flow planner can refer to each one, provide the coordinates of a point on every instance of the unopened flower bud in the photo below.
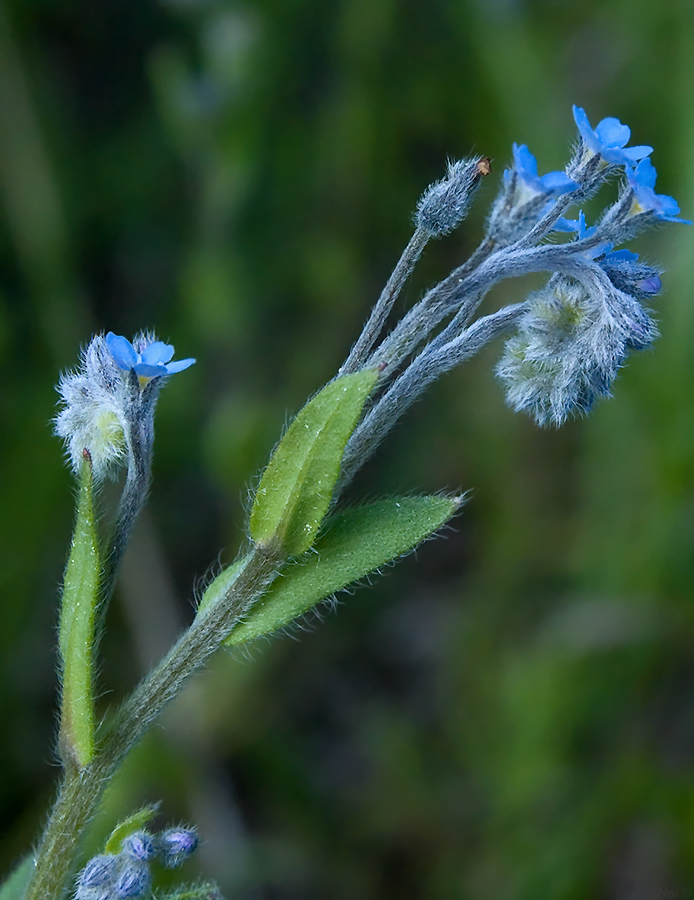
(176, 845)
(569, 348)
(139, 845)
(134, 880)
(99, 870)
(444, 204)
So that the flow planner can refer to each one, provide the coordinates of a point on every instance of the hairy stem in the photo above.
(424, 316)
(136, 488)
(431, 363)
(81, 791)
(379, 314)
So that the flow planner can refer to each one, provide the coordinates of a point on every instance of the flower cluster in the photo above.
(577, 332)
(569, 346)
(109, 401)
(573, 336)
(571, 339)
(117, 876)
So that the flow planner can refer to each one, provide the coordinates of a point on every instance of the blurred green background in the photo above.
(508, 713)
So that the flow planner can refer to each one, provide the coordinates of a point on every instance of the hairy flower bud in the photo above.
(444, 204)
(569, 348)
(134, 880)
(631, 276)
(176, 845)
(99, 871)
(139, 845)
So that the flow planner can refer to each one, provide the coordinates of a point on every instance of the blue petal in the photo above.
(122, 350)
(524, 160)
(583, 229)
(645, 174)
(178, 366)
(581, 120)
(666, 207)
(157, 353)
(651, 285)
(612, 133)
(635, 153)
(147, 370)
(626, 255)
(566, 225)
(558, 182)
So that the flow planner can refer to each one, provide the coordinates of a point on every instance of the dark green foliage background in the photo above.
(508, 714)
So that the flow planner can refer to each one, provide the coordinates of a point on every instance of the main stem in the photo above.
(81, 790)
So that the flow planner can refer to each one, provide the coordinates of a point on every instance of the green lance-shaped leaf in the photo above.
(15, 886)
(297, 486)
(353, 544)
(77, 618)
(136, 822)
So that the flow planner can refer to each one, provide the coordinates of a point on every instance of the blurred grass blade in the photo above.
(297, 486)
(355, 543)
(76, 638)
(16, 884)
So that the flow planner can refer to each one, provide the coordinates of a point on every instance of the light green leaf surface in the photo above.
(354, 543)
(222, 584)
(76, 638)
(297, 486)
(14, 887)
(129, 826)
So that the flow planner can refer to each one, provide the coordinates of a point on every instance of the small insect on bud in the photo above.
(484, 166)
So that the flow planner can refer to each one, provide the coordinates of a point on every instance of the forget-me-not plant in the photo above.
(564, 345)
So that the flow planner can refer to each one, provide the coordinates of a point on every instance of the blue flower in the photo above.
(525, 167)
(609, 139)
(150, 360)
(583, 231)
(642, 181)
